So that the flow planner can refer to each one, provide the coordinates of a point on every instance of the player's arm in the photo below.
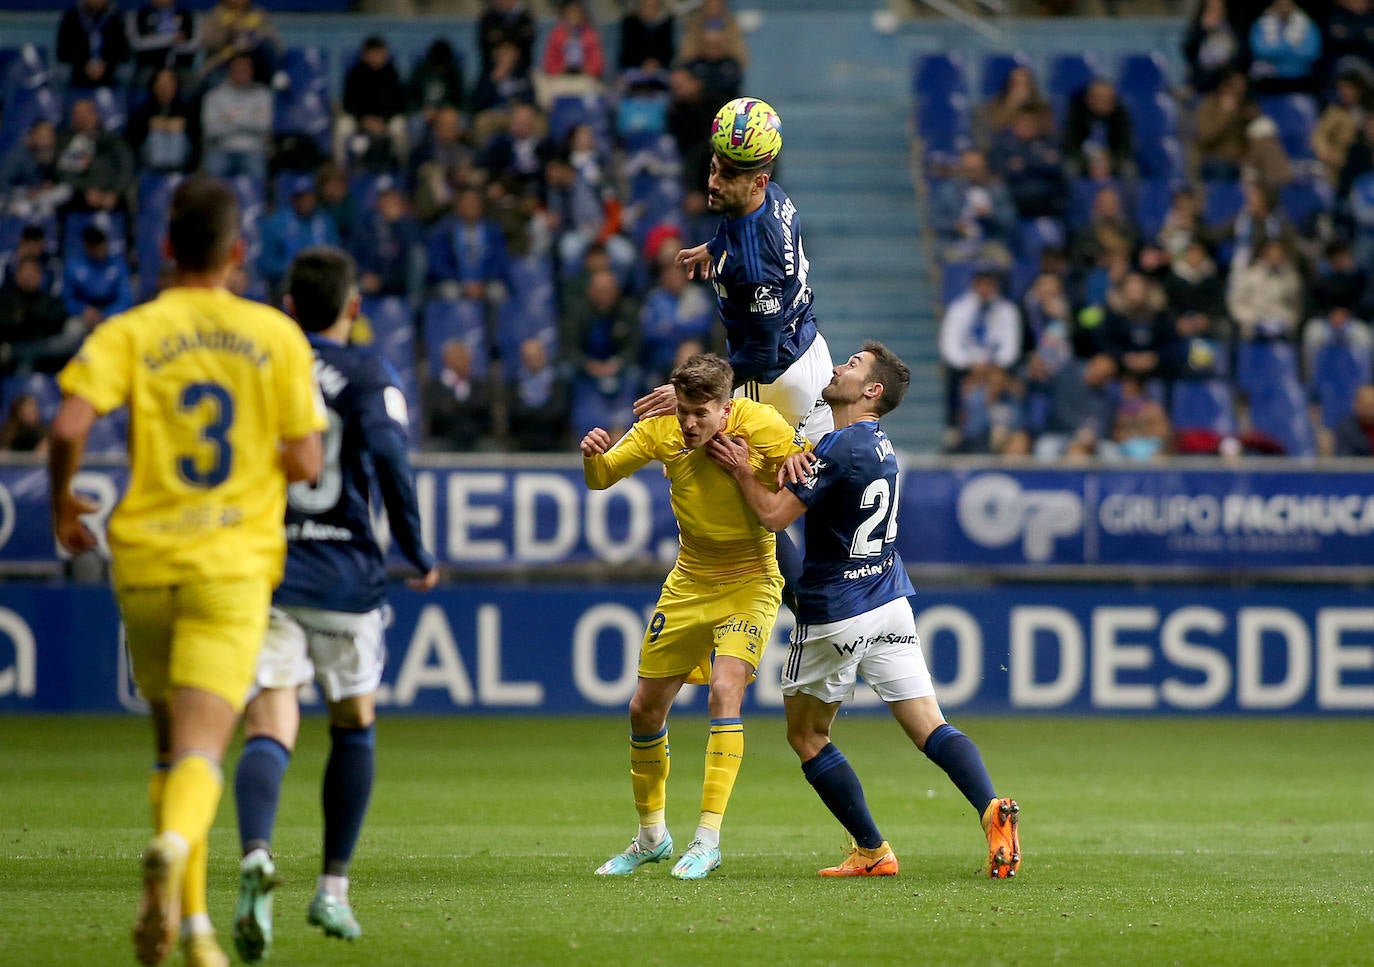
(384, 418)
(302, 415)
(754, 343)
(66, 443)
(302, 458)
(603, 463)
(776, 510)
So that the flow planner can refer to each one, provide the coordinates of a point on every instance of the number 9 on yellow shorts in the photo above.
(202, 634)
(694, 619)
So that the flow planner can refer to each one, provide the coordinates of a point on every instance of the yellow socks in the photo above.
(190, 797)
(649, 763)
(724, 755)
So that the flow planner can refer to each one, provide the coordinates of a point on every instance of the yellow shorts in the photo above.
(203, 635)
(694, 621)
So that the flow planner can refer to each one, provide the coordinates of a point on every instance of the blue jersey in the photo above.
(852, 565)
(761, 291)
(333, 560)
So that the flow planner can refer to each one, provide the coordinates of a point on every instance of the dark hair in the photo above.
(374, 42)
(764, 169)
(703, 377)
(887, 369)
(321, 280)
(32, 233)
(204, 223)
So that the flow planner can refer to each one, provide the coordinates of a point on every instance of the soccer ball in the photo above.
(747, 132)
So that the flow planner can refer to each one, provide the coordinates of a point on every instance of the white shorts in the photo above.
(343, 651)
(881, 645)
(796, 394)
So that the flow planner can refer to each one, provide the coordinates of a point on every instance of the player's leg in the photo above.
(348, 654)
(649, 765)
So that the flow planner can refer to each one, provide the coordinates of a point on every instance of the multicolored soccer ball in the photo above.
(747, 132)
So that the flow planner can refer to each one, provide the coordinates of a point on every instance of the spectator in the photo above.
(1336, 325)
(1080, 397)
(1341, 121)
(721, 73)
(574, 46)
(1354, 436)
(1109, 229)
(24, 430)
(236, 121)
(537, 396)
(713, 15)
(33, 244)
(972, 213)
(1257, 223)
(1265, 298)
(1194, 286)
(514, 212)
(601, 337)
(989, 411)
(95, 283)
(647, 38)
(164, 131)
(1266, 159)
(91, 41)
(234, 27)
(1211, 47)
(1182, 225)
(1045, 306)
(1197, 350)
(506, 22)
(1137, 333)
(519, 152)
(389, 248)
(29, 181)
(1019, 92)
(338, 200)
(1342, 281)
(505, 85)
(1285, 45)
(436, 82)
(291, 228)
(675, 311)
(689, 122)
(580, 191)
(94, 164)
(1222, 119)
(1031, 166)
(981, 328)
(467, 251)
(444, 159)
(1141, 431)
(1349, 37)
(1359, 160)
(370, 135)
(33, 323)
(162, 34)
(457, 400)
(1096, 117)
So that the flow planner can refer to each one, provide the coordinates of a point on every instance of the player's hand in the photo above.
(71, 532)
(596, 441)
(659, 401)
(425, 582)
(697, 262)
(730, 453)
(796, 467)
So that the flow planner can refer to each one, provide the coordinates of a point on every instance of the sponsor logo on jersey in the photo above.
(766, 301)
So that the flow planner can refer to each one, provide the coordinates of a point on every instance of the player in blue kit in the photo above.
(329, 612)
(853, 616)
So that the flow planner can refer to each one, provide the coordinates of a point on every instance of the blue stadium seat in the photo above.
(1142, 74)
(568, 111)
(1305, 199)
(11, 227)
(1082, 193)
(1152, 115)
(1337, 372)
(955, 280)
(531, 310)
(464, 319)
(1160, 157)
(306, 115)
(942, 121)
(1203, 404)
(149, 228)
(1070, 73)
(109, 435)
(641, 119)
(995, 69)
(304, 69)
(1035, 235)
(390, 318)
(1264, 363)
(111, 223)
(110, 103)
(1221, 202)
(1295, 115)
(1153, 196)
(939, 74)
(23, 109)
(22, 68)
(1279, 409)
(39, 385)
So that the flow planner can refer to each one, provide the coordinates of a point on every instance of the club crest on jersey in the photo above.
(766, 301)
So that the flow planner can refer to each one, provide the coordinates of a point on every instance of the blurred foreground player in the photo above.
(328, 616)
(854, 617)
(223, 413)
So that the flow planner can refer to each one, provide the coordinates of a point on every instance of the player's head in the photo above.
(702, 383)
(203, 226)
(322, 288)
(732, 190)
(873, 380)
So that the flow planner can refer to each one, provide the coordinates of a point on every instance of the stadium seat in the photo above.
(1082, 193)
(531, 310)
(22, 68)
(1295, 115)
(1152, 115)
(111, 223)
(1142, 74)
(1306, 199)
(1203, 404)
(464, 319)
(1221, 202)
(995, 69)
(955, 279)
(40, 385)
(109, 434)
(1152, 200)
(303, 69)
(306, 115)
(23, 109)
(11, 227)
(1337, 373)
(390, 318)
(641, 119)
(568, 111)
(110, 103)
(942, 121)
(1262, 363)
(1070, 73)
(939, 74)
(1279, 409)
(1035, 235)
(1160, 157)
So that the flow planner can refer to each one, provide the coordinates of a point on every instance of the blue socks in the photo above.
(836, 782)
(257, 790)
(954, 752)
(347, 788)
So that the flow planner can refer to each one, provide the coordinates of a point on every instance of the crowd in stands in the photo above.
(1135, 264)
(514, 219)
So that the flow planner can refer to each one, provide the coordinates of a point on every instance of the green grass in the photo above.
(1186, 841)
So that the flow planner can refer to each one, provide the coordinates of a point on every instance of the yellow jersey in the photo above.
(720, 538)
(213, 383)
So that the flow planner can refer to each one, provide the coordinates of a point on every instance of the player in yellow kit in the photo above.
(223, 412)
(717, 606)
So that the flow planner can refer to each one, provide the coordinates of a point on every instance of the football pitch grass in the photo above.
(1146, 841)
